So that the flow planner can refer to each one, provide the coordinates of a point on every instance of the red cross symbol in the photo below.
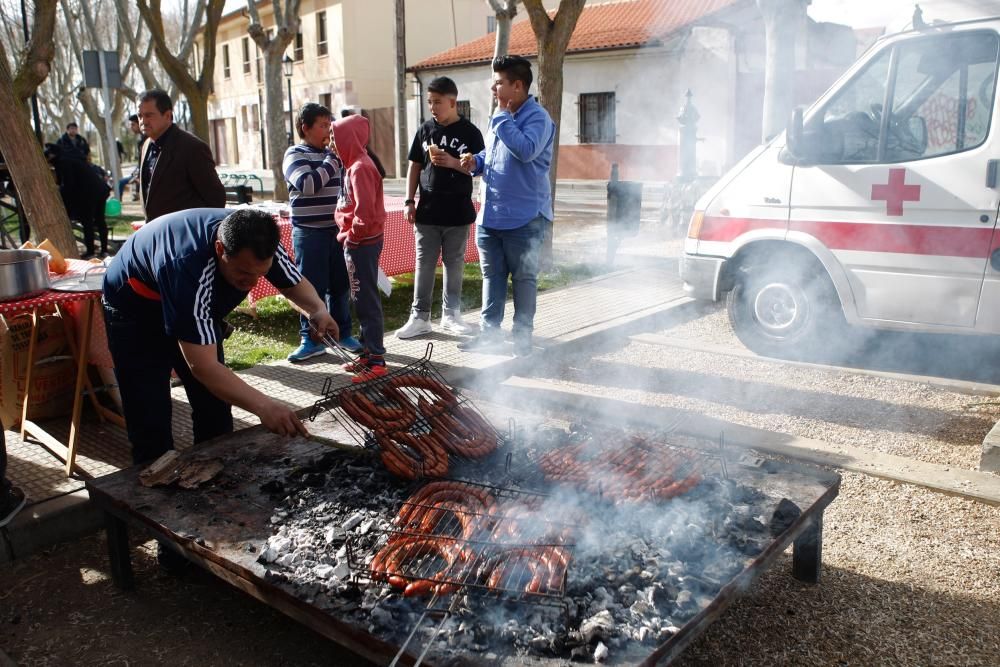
(894, 193)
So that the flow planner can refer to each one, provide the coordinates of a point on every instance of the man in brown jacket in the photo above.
(176, 169)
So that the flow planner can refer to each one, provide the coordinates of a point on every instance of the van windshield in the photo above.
(940, 89)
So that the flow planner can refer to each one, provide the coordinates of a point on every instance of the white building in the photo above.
(627, 68)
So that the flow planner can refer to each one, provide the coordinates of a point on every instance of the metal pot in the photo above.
(23, 273)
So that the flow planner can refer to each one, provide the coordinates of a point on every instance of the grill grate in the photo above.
(404, 410)
(618, 467)
(497, 543)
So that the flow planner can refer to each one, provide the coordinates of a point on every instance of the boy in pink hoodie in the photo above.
(360, 215)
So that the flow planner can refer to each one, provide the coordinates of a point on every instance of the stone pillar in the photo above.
(687, 141)
(782, 22)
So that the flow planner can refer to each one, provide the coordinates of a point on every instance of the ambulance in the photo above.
(876, 208)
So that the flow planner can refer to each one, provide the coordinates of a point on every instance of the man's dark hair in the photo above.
(515, 68)
(163, 102)
(308, 115)
(134, 118)
(249, 228)
(69, 125)
(442, 85)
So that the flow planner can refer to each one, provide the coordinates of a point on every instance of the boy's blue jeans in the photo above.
(515, 253)
(320, 258)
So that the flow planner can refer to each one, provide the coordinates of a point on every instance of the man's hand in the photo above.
(508, 106)
(280, 419)
(323, 325)
(444, 159)
(468, 162)
(411, 213)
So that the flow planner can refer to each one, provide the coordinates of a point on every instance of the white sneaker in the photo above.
(454, 324)
(414, 327)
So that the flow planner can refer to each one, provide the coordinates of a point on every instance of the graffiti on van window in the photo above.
(941, 114)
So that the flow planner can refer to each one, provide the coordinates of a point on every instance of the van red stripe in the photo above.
(972, 242)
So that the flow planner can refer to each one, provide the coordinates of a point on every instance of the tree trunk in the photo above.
(36, 62)
(277, 120)
(195, 90)
(36, 188)
(401, 135)
(553, 35)
(505, 11)
(782, 19)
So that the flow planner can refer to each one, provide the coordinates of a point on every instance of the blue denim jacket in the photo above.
(515, 167)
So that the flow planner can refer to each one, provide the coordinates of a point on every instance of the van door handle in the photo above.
(992, 168)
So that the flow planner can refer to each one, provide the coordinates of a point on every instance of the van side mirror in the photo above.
(792, 153)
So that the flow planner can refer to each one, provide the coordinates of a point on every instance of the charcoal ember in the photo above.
(784, 516)
(273, 486)
(666, 632)
(313, 479)
(600, 652)
(598, 626)
(644, 635)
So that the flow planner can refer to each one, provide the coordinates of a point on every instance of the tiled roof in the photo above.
(612, 25)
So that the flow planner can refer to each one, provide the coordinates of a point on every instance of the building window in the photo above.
(491, 24)
(321, 33)
(246, 121)
(246, 55)
(298, 55)
(260, 66)
(326, 99)
(255, 118)
(465, 109)
(597, 118)
(225, 61)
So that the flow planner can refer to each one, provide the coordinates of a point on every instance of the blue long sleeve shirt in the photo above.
(515, 167)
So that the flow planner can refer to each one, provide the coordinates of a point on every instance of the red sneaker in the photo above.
(369, 372)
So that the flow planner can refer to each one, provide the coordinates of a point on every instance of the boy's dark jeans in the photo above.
(362, 268)
(144, 355)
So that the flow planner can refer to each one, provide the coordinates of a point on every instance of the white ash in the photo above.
(601, 652)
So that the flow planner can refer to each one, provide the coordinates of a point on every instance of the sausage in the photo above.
(416, 548)
(466, 519)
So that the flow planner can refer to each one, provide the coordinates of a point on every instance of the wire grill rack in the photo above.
(498, 542)
(423, 404)
(617, 466)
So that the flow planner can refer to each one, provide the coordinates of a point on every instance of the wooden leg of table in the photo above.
(807, 552)
(118, 552)
(71, 339)
(31, 366)
(81, 374)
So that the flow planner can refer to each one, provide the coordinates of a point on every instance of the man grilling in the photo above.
(165, 294)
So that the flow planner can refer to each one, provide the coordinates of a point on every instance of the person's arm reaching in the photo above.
(224, 384)
(306, 300)
(474, 163)
(412, 180)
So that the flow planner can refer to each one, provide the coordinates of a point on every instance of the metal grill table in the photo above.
(224, 525)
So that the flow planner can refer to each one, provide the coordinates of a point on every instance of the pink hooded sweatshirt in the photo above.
(360, 213)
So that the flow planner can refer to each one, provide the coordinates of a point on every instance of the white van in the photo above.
(887, 219)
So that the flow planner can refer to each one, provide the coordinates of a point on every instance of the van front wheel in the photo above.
(784, 312)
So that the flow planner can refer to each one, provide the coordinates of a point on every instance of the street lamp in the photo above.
(287, 64)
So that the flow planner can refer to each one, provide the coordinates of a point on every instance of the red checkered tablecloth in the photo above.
(398, 250)
(72, 303)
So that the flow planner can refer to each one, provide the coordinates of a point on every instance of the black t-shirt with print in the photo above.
(445, 194)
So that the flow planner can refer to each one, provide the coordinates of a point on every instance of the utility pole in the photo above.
(401, 138)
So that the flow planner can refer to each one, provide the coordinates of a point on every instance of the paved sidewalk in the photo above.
(566, 318)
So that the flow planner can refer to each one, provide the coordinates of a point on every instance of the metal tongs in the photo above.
(344, 354)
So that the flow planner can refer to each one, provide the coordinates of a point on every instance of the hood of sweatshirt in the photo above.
(351, 136)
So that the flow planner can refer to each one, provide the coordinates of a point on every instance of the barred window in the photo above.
(597, 118)
(321, 33)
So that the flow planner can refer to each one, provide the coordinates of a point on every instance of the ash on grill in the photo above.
(639, 569)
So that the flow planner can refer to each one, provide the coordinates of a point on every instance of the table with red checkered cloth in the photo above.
(72, 303)
(398, 250)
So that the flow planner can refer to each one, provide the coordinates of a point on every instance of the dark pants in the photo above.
(144, 355)
(320, 258)
(362, 268)
(96, 220)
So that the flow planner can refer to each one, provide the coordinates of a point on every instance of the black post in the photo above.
(34, 96)
(807, 552)
(291, 128)
(118, 552)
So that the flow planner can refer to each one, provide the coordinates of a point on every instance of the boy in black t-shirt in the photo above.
(444, 211)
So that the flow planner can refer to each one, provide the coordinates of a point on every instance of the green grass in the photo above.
(275, 331)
